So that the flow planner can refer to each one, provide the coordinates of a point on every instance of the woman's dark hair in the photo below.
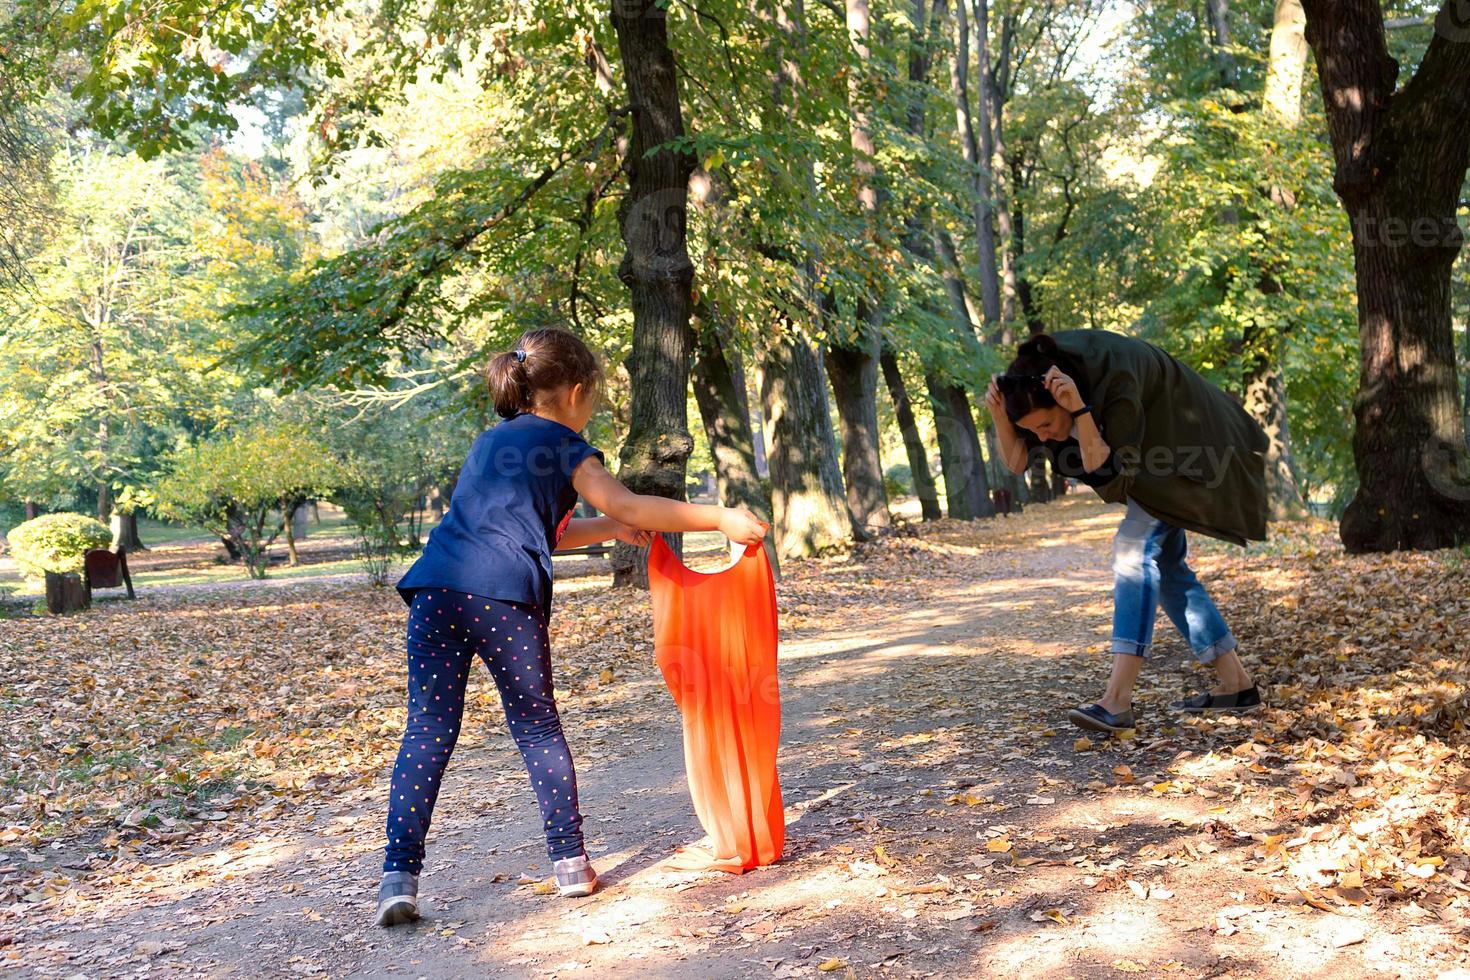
(543, 360)
(1022, 385)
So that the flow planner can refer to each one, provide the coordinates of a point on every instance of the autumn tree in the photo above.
(1401, 154)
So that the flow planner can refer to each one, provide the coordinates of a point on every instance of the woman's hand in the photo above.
(741, 526)
(1063, 389)
(637, 537)
(994, 400)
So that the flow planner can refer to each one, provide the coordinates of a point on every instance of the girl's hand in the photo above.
(741, 526)
(994, 400)
(1063, 389)
(637, 537)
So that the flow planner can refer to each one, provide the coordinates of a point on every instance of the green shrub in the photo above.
(898, 480)
(242, 486)
(56, 542)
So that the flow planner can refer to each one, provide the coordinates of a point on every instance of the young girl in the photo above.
(483, 588)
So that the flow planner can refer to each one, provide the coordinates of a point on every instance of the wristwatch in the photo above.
(1081, 411)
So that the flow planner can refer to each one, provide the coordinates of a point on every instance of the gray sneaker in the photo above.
(398, 898)
(574, 876)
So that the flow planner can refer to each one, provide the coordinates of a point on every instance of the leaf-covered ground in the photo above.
(194, 782)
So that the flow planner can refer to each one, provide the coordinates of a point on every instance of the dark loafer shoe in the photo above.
(1239, 703)
(1095, 718)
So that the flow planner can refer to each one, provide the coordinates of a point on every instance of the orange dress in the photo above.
(714, 636)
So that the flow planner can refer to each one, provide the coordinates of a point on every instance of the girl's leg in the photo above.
(438, 667)
(1135, 602)
(512, 638)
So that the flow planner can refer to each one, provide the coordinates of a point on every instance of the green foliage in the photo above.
(898, 480)
(56, 542)
(241, 485)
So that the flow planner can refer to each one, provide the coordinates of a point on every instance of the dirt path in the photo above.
(942, 821)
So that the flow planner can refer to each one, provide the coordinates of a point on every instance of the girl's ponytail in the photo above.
(510, 384)
(543, 361)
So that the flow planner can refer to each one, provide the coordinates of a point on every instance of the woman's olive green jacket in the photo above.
(1182, 448)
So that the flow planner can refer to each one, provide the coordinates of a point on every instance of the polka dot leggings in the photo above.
(446, 630)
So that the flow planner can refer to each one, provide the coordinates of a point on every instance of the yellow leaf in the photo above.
(828, 966)
(1082, 744)
(998, 845)
(1056, 915)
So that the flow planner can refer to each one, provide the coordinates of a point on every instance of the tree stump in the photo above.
(65, 593)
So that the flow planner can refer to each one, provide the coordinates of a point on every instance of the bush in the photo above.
(243, 486)
(56, 543)
(898, 480)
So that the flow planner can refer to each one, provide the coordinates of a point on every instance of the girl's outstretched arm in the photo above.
(600, 489)
(582, 531)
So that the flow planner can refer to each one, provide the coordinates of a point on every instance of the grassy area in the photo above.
(226, 574)
(154, 533)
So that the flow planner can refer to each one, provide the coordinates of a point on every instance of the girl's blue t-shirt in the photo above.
(511, 504)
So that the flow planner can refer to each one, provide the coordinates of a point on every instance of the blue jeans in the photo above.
(446, 632)
(1149, 569)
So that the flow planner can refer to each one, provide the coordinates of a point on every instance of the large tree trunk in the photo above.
(1265, 401)
(809, 505)
(33, 510)
(1265, 387)
(104, 432)
(125, 532)
(976, 155)
(852, 361)
(1400, 164)
(1218, 12)
(656, 269)
(853, 373)
(966, 489)
(719, 390)
(913, 442)
(810, 509)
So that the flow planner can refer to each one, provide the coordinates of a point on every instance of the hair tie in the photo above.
(520, 355)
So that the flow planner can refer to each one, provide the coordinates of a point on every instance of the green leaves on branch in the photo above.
(244, 486)
(56, 543)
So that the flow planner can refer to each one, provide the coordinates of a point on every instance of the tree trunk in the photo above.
(852, 356)
(1265, 401)
(288, 520)
(125, 532)
(853, 373)
(104, 432)
(809, 506)
(1265, 387)
(33, 510)
(1400, 162)
(981, 155)
(1218, 12)
(719, 390)
(1287, 64)
(1040, 484)
(66, 593)
(913, 442)
(966, 489)
(1017, 247)
(655, 268)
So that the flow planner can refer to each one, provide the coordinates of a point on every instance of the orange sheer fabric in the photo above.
(715, 639)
